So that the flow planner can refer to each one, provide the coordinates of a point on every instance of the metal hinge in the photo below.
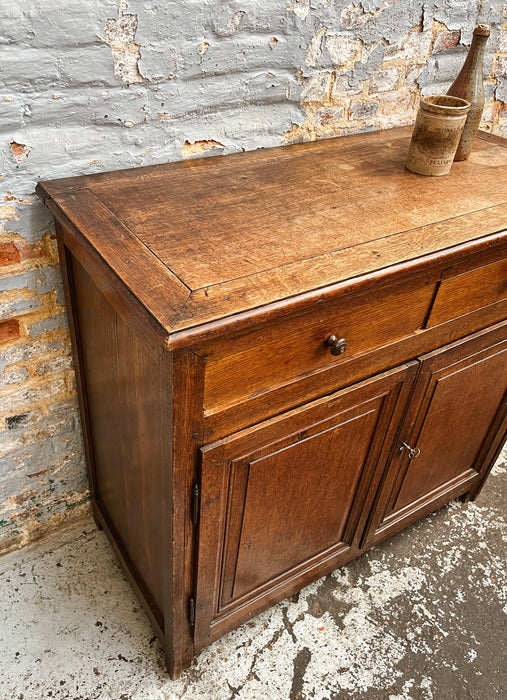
(196, 498)
(191, 612)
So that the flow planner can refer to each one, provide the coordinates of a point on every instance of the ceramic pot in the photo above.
(437, 132)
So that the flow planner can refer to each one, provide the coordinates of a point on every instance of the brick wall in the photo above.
(93, 86)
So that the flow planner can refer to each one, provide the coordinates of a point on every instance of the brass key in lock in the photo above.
(413, 452)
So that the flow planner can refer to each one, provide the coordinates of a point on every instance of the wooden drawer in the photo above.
(247, 365)
(461, 294)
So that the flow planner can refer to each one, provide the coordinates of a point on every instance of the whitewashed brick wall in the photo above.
(106, 84)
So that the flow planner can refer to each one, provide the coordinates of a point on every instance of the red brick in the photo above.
(20, 151)
(446, 40)
(35, 250)
(9, 254)
(9, 330)
(500, 68)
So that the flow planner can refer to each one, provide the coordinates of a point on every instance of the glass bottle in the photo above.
(469, 85)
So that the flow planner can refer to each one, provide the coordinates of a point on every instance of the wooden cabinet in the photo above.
(283, 357)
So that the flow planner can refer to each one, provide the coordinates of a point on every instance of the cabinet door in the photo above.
(455, 427)
(282, 503)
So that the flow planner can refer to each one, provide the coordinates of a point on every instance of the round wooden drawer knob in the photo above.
(337, 346)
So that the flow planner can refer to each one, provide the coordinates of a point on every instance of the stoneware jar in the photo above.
(437, 131)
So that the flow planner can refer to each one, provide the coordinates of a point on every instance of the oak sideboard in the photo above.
(283, 358)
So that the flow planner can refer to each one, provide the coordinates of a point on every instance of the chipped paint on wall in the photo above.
(366, 67)
(301, 8)
(120, 35)
(20, 151)
(199, 148)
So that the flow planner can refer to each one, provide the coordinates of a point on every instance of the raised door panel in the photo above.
(458, 415)
(308, 487)
(283, 503)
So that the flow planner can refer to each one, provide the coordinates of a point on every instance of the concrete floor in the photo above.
(417, 618)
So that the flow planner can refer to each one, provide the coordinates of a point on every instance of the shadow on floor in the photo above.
(417, 618)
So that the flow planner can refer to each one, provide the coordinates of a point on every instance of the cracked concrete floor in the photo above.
(417, 618)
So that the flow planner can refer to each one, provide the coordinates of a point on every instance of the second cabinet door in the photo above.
(283, 503)
(455, 427)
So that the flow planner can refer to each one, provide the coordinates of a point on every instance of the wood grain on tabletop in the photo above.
(223, 237)
(222, 226)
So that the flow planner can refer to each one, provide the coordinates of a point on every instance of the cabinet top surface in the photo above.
(218, 236)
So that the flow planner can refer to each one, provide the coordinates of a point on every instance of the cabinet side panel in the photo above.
(128, 391)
